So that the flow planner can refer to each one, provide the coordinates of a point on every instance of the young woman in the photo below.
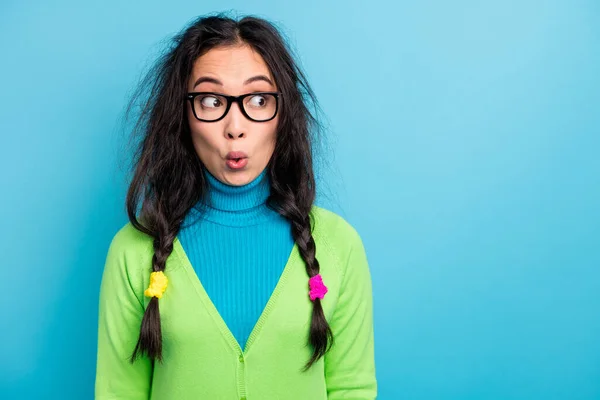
(230, 283)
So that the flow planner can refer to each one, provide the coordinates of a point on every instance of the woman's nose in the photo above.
(236, 121)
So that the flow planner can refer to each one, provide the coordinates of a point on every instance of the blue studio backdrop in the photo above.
(464, 147)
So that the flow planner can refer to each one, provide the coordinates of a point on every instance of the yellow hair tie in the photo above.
(158, 284)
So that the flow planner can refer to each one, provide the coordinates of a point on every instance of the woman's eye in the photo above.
(258, 101)
(210, 102)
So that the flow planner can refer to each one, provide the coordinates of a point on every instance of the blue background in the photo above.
(465, 141)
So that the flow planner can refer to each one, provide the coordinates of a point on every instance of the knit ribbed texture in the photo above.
(238, 248)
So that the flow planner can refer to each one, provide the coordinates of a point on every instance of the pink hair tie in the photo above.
(317, 288)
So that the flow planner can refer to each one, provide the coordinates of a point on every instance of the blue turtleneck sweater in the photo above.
(239, 248)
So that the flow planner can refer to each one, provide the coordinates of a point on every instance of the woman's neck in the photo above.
(237, 205)
(226, 197)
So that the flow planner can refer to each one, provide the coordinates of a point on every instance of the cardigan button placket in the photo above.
(241, 377)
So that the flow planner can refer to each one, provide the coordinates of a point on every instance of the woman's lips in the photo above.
(237, 163)
(236, 159)
(236, 154)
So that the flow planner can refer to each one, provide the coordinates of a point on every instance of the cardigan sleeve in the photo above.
(119, 318)
(350, 363)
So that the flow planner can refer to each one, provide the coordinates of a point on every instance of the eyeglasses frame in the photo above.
(230, 99)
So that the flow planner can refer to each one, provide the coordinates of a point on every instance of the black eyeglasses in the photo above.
(212, 106)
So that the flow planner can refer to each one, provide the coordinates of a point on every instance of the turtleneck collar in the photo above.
(237, 205)
(226, 197)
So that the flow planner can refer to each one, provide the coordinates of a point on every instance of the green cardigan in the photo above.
(202, 359)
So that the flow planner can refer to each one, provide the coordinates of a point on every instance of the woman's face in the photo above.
(232, 71)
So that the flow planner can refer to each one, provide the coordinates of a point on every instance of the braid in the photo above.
(320, 335)
(150, 338)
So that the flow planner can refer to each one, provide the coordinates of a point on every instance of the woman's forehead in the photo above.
(232, 66)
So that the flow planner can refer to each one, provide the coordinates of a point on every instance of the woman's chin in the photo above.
(238, 177)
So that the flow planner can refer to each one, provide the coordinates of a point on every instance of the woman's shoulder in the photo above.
(334, 231)
(130, 247)
(129, 239)
(128, 261)
(333, 225)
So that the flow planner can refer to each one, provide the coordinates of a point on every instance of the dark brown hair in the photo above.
(168, 175)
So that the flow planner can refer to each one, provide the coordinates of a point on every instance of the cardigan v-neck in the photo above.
(201, 359)
(210, 306)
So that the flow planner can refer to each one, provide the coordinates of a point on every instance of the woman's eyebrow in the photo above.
(218, 82)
